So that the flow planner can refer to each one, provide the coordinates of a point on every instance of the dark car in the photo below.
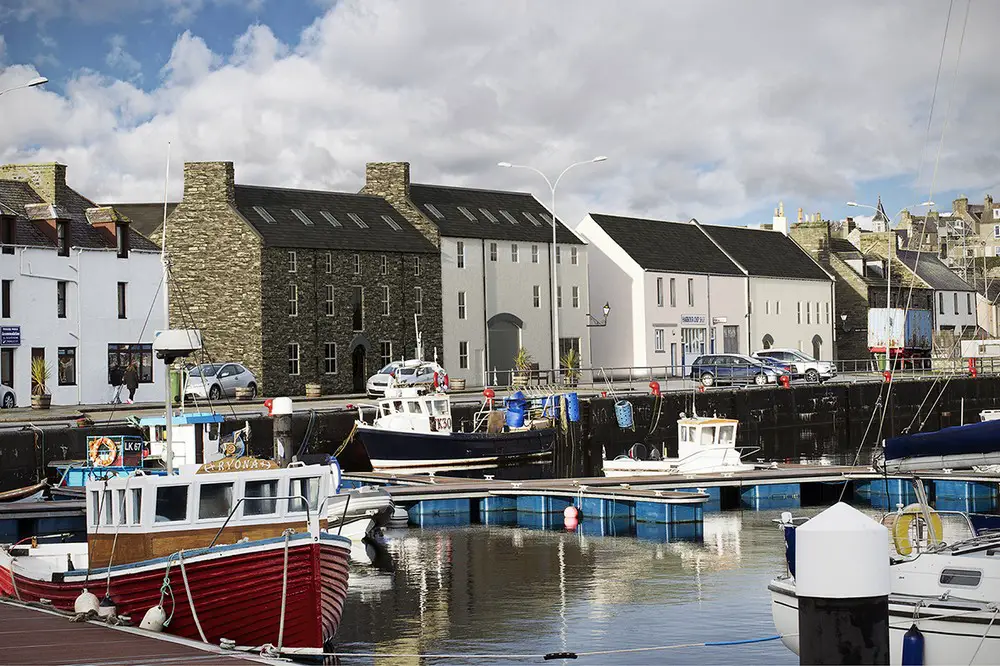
(714, 369)
(784, 367)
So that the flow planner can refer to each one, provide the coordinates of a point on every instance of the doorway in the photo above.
(817, 347)
(7, 366)
(731, 339)
(358, 368)
(504, 331)
(37, 353)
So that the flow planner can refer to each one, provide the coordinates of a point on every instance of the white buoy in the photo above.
(154, 619)
(842, 584)
(86, 603)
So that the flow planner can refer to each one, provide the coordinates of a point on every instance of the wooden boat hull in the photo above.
(27, 494)
(236, 588)
(392, 450)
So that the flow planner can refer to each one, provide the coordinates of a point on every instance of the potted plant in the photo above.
(570, 362)
(40, 396)
(522, 366)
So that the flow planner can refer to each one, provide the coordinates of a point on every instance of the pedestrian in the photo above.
(115, 378)
(131, 381)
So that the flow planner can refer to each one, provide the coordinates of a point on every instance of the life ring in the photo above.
(103, 452)
(900, 528)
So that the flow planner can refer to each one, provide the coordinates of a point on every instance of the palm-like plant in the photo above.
(39, 376)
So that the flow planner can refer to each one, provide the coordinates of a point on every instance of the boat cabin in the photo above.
(698, 434)
(411, 409)
(140, 517)
(196, 438)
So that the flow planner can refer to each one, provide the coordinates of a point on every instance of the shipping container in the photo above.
(909, 331)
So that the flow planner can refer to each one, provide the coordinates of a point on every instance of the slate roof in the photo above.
(669, 247)
(287, 230)
(932, 270)
(492, 224)
(15, 195)
(990, 289)
(844, 248)
(766, 253)
(146, 218)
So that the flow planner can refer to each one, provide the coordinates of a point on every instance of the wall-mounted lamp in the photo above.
(843, 323)
(594, 321)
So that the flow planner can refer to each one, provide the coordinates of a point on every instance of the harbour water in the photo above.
(507, 590)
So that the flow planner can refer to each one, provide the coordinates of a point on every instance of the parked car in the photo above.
(8, 399)
(804, 365)
(423, 374)
(784, 366)
(732, 369)
(405, 373)
(377, 383)
(215, 380)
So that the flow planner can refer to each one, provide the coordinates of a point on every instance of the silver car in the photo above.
(8, 399)
(214, 380)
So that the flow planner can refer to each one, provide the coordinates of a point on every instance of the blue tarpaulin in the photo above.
(973, 438)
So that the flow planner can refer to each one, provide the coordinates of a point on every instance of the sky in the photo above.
(714, 109)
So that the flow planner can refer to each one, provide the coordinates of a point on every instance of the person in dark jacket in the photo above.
(131, 381)
(115, 378)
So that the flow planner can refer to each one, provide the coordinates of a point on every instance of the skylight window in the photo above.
(392, 223)
(531, 218)
(465, 211)
(330, 218)
(358, 221)
(510, 218)
(546, 217)
(488, 215)
(303, 218)
(434, 211)
(260, 210)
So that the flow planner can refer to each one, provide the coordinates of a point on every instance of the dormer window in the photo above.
(8, 234)
(62, 237)
(122, 238)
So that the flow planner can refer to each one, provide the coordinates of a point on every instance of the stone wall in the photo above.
(391, 181)
(215, 259)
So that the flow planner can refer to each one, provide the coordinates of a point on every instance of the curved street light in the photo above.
(38, 81)
(552, 258)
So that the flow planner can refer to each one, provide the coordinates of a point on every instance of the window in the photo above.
(303, 218)
(510, 218)
(460, 254)
(469, 216)
(996, 231)
(392, 223)
(358, 221)
(434, 211)
(558, 255)
(531, 218)
(659, 292)
(357, 264)
(968, 302)
(534, 254)
(767, 307)
(293, 261)
(330, 307)
(61, 299)
(826, 313)
(493, 251)
(307, 488)
(62, 237)
(121, 300)
(559, 296)
(777, 307)
(330, 358)
(817, 312)
(358, 308)
(122, 239)
(536, 296)
(691, 292)
(488, 215)
(955, 296)
(334, 222)
(658, 340)
(416, 266)
(964, 577)
(260, 210)
(8, 234)
(293, 358)
(293, 300)
(418, 300)
(513, 253)
(940, 303)
(546, 217)
(385, 348)
(256, 494)
(808, 314)
(121, 355)
(461, 305)
(136, 506)
(383, 267)
(215, 500)
(5, 287)
(574, 256)
(673, 292)
(575, 296)
(67, 366)
(798, 312)
(329, 262)
(463, 353)
(385, 300)
(171, 504)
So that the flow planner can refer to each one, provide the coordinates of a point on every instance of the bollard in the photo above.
(281, 410)
(842, 584)
(972, 368)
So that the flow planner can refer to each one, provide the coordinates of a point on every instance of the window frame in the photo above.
(294, 360)
(330, 360)
(66, 352)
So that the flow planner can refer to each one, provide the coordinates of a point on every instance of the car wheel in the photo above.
(8, 401)
(215, 392)
(812, 375)
(253, 391)
(760, 379)
(707, 379)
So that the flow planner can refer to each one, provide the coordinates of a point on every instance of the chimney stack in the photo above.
(209, 183)
(47, 180)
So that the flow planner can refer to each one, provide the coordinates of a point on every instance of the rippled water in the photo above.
(478, 589)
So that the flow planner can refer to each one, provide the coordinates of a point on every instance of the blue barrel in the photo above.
(623, 412)
(515, 414)
(550, 407)
(573, 407)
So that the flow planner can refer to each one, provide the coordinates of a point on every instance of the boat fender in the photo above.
(106, 608)
(913, 647)
(86, 603)
(154, 619)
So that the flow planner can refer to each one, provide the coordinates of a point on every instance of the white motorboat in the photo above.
(358, 514)
(705, 445)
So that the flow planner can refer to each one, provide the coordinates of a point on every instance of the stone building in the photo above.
(300, 286)
(960, 236)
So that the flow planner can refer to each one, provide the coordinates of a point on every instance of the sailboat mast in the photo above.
(168, 400)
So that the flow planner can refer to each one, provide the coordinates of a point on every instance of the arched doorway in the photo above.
(504, 331)
(767, 341)
(359, 357)
(817, 347)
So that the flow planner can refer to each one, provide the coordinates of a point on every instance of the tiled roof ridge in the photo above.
(308, 191)
(474, 189)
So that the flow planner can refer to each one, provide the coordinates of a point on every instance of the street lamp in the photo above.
(38, 81)
(594, 321)
(552, 258)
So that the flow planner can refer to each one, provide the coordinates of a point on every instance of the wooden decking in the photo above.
(31, 635)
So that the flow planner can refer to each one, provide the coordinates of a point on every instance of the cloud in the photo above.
(707, 109)
(118, 58)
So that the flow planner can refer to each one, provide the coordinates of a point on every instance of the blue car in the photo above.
(713, 369)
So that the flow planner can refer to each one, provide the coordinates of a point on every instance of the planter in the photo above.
(244, 393)
(41, 401)
(313, 390)
(571, 380)
(520, 379)
(457, 384)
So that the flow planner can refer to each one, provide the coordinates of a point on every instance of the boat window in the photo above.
(397, 406)
(171, 503)
(121, 507)
(440, 408)
(308, 488)
(726, 434)
(707, 435)
(95, 500)
(107, 507)
(260, 507)
(216, 500)
(965, 577)
(684, 433)
(415, 407)
(136, 506)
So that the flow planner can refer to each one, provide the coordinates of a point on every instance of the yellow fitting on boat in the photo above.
(899, 524)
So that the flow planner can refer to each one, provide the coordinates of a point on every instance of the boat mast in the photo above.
(168, 406)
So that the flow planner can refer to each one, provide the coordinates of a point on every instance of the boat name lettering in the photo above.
(237, 465)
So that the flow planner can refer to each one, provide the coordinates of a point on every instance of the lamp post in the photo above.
(552, 258)
(594, 321)
(38, 81)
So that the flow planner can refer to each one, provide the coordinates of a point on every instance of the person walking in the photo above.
(131, 381)
(115, 378)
